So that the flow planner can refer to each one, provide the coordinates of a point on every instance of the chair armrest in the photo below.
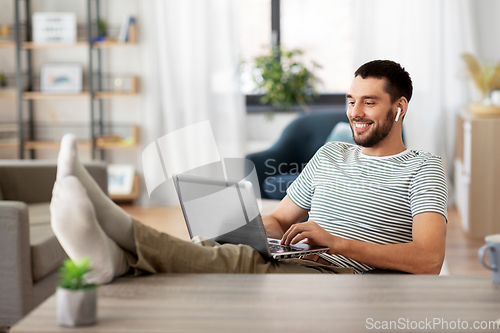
(32, 181)
(16, 284)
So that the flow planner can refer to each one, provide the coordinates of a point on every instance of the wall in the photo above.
(488, 29)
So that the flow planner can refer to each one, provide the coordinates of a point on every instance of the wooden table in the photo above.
(280, 303)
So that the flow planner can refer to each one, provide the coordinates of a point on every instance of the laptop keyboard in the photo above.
(278, 248)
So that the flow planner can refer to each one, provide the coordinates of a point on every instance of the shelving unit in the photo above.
(27, 95)
(477, 156)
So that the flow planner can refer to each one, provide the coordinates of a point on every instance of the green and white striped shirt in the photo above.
(367, 198)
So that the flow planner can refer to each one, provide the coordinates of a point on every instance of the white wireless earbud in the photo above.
(397, 116)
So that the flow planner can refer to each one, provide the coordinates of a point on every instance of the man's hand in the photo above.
(424, 255)
(315, 234)
(286, 214)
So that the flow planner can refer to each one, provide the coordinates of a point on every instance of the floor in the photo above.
(461, 250)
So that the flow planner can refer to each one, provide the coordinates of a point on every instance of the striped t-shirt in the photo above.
(367, 198)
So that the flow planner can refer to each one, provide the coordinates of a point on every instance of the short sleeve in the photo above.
(301, 191)
(428, 189)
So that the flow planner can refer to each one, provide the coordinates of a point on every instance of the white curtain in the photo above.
(427, 37)
(190, 64)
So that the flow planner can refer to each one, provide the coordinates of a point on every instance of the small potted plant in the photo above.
(76, 299)
(3, 80)
(284, 79)
(102, 28)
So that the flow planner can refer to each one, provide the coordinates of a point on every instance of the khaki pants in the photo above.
(161, 253)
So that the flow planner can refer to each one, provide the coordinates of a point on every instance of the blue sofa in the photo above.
(279, 165)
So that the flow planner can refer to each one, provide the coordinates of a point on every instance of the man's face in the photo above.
(370, 111)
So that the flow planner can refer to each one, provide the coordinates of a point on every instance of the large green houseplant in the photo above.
(76, 298)
(284, 79)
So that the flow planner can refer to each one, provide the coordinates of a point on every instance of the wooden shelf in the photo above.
(113, 94)
(115, 146)
(116, 94)
(8, 43)
(87, 144)
(97, 45)
(40, 95)
(102, 144)
(132, 195)
(83, 144)
(37, 95)
(51, 144)
(7, 145)
(8, 93)
(32, 45)
(111, 43)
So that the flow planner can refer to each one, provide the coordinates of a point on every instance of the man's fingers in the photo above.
(299, 237)
(296, 229)
(291, 233)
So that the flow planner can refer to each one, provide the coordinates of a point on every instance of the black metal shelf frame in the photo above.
(27, 130)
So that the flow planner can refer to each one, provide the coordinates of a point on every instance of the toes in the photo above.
(68, 141)
(67, 156)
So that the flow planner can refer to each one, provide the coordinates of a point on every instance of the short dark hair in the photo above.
(398, 80)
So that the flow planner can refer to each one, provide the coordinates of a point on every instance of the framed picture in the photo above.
(120, 178)
(61, 78)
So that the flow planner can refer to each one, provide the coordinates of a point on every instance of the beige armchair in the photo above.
(30, 255)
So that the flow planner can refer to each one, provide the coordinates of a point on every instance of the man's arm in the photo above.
(424, 255)
(286, 214)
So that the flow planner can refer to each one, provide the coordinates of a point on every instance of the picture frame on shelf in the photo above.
(120, 179)
(61, 78)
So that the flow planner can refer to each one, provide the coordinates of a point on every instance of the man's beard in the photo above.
(377, 135)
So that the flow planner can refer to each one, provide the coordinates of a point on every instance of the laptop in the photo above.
(227, 212)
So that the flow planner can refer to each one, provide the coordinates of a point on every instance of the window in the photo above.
(255, 36)
(321, 28)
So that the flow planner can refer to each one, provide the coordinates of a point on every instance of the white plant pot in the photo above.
(76, 307)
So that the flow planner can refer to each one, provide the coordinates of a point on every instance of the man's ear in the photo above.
(403, 104)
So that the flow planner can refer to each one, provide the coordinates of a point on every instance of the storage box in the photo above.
(54, 27)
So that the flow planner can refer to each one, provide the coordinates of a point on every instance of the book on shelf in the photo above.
(126, 32)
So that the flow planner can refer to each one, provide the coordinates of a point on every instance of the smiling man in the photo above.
(376, 205)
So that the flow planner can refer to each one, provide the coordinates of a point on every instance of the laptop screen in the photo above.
(211, 208)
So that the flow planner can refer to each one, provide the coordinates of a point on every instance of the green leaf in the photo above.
(284, 79)
(72, 274)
